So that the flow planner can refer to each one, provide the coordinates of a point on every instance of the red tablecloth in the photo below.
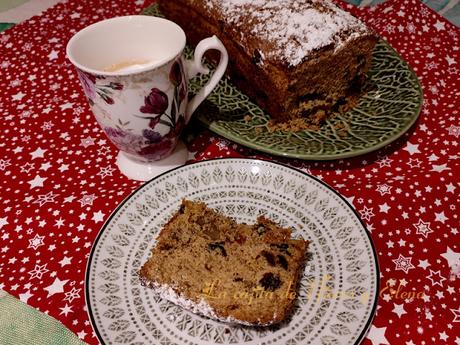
(58, 181)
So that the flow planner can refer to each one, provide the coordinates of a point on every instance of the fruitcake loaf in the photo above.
(294, 58)
(238, 273)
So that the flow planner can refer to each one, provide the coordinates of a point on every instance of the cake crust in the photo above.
(295, 59)
(237, 273)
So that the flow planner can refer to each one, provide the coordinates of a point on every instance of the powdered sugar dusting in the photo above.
(290, 30)
(168, 293)
(202, 307)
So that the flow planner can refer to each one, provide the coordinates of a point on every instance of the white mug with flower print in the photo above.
(135, 78)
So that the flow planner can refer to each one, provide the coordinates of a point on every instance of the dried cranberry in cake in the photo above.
(204, 275)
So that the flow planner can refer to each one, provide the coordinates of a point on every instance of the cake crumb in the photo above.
(259, 130)
(247, 118)
(317, 119)
(342, 129)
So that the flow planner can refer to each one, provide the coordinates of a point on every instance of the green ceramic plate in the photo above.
(382, 115)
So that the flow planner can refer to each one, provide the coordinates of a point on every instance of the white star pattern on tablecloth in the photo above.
(36, 242)
(38, 271)
(433, 158)
(69, 198)
(423, 228)
(24, 297)
(450, 188)
(56, 287)
(66, 310)
(399, 309)
(98, 216)
(81, 334)
(454, 130)
(384, 208)
(423, 264)
(18, 96)
(37, 181)
(404, 264)
(441, 217)
(87, 200)
(38, 153)
(453, 258)
(4, 163)
(45, 198)
(440, 168)
(443, 336)
(45, 166)
(63, 167)
(367, 213)
(72, 294)
(439, 26)
(412, 148)
(377, 336)
(65, 261)
(384, 189)
(384, 162)
(87, 142)
(3, 222)
(53, 55)
(27, 167)
(436, 278)
(65, 106)
(456, 313)
(106, 171)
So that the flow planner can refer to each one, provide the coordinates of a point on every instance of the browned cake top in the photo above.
(284, 31)
(234, 272)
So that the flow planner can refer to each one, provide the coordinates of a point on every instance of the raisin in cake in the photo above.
(297, 59)
(209, 264)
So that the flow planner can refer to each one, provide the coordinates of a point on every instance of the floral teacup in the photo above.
(135, 77)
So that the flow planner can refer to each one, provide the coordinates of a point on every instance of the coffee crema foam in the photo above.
(127, 66)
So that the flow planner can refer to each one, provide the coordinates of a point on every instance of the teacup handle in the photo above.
(196, 66)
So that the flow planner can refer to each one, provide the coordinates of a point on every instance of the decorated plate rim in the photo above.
(249, 160)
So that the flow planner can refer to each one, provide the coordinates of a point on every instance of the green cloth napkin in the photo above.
(21, 324)
(4, 26)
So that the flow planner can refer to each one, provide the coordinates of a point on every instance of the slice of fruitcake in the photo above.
(213, 266)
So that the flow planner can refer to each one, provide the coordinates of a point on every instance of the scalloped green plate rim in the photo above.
(409, 120)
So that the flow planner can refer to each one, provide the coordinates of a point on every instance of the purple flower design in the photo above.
(158, 146)
(124, 140)
(177, 78)
(175, 74)
(92, 89)
(182, 92)
(88, 82)
(155, 103)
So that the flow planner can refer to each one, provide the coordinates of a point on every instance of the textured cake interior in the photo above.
(295, 59)
(245, 273)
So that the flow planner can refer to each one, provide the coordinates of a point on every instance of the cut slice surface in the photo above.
(211, 265)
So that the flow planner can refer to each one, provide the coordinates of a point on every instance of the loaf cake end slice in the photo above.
(213, 266)
(301, 61)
